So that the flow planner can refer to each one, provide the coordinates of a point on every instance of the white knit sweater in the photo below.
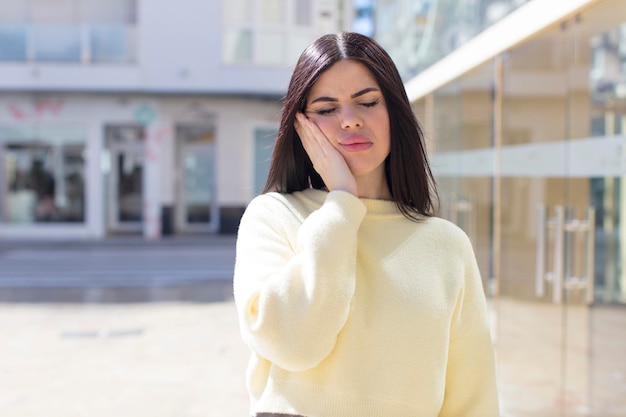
(352, 310)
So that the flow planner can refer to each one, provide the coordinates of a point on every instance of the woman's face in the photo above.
(348, 106)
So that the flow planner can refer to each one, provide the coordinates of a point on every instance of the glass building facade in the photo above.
(529, 152)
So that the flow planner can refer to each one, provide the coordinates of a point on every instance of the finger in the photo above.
(308, 137)
(314, 135)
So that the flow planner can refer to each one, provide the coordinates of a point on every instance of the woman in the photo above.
(354, 300)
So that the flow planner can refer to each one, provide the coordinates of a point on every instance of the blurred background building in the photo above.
(145, 117)
(523, 103)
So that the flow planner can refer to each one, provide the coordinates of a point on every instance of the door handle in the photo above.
(540, 262)
(559, 237)
(556, 226)
(591, 254)
(586, 279)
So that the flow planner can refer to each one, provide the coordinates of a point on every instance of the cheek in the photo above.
(382, 127)
(326, 124)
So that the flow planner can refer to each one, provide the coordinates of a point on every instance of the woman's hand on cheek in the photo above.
(327, 161)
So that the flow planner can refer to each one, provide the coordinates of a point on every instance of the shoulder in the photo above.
(278, 205)
(445, 233)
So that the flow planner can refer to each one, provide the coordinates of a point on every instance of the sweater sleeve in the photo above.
(470, 376)
(293, 298)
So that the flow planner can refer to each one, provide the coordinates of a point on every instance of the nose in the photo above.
(350, 119)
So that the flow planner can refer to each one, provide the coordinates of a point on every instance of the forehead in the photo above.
(343, 79)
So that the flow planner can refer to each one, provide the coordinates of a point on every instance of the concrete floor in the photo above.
(122, 360)
(186, 359)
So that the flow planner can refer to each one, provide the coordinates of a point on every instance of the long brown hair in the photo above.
(408, 173)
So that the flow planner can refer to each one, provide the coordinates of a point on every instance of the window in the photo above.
(238, 46)
(270, 32)
(87, 31)
(44, 174)
(12, 42)
(56, 42)
(264, 139)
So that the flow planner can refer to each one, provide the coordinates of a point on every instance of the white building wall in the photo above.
(178, 75)
(235, 119)
(179, 49)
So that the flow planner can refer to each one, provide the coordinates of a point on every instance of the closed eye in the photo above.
(325, 111)
(370, 103)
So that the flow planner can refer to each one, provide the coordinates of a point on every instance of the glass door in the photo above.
(598, 120)
(531, 317)
(541, 191)
(463, 160)
(125, 178)
(561, 314)
(196, 206)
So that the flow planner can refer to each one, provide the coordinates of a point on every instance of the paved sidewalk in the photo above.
(121, 327)
(130, 360)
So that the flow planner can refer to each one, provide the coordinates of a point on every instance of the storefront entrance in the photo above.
(124, 182)
(196, 207)
(42, 175)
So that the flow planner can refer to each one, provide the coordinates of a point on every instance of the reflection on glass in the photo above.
(463, 162)
(110, 44)
(606, 50)
(418, 33)
(263, 147)
(130, 186)
(198, 168)
(56, 43)
(45, 183)
(12, 42)
(238, 46)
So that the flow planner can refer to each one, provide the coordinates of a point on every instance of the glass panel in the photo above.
(363, 20)
(271, 48)
(238, 46)
(45, 182)
(111, 44)
(198, 166)
(124, 176)
(531, 322)
(263, 148)
(597, 120)
(463, 162)
(196, 204)
(418, 33)
(129, 186)
(44, 173)
(12, 42)
(56, 43)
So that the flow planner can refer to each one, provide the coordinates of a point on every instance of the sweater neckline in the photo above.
(373, 206)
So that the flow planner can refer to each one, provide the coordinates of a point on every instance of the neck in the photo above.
(374, 189)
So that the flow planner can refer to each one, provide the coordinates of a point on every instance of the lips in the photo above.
(355, 143)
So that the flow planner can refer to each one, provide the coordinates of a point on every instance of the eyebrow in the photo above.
(355, 95)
